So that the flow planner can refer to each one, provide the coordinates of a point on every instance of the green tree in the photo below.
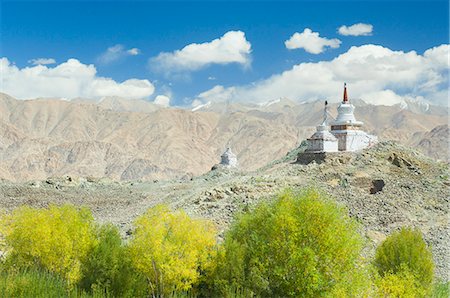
(300, 245)
(57, 239)
(108, 267)
(406, 250)
(171, 250)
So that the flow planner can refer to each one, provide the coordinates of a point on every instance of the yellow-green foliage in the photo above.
(32, 283)
(301, 245)
(406, 251)
(57, 239)
(2, 236)
(441, 290)
(403, 284)
(171, 249)
(35, 283)
(108, 267)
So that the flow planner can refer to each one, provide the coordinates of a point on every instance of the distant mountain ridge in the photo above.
(135, 139)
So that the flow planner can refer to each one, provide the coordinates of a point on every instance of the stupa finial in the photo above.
(345, 100)
(325, 113)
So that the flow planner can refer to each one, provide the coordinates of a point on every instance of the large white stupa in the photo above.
(345, 134)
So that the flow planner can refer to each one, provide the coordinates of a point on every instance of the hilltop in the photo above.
(384, 188)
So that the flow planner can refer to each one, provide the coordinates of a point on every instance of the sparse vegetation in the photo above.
(57, 239)
(108, 267)
(402, 283)
(405, 264)
(302, 244)
(171, 250)
(441, 290)
(33, 283)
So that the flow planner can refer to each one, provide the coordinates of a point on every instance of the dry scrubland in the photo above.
(299, 244)
(119, 161)
(415, 193)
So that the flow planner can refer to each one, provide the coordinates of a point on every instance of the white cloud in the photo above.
(42, 61)
(115, 53)
(217, 93)
(196, 103)
(69, 80)
(373, 73)
(162, 100)
(356, 29)
(134, 51)
(311, 42)
(232, 47)
(384, 97)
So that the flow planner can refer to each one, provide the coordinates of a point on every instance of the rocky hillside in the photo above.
(384, 188)
(134, 139)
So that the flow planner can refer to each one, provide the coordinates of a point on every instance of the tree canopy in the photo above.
(171, 249)
(301, 245)
(404, 255)
(57, 239)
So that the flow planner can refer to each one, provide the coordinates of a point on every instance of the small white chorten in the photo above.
(322, 140)
(229, 159)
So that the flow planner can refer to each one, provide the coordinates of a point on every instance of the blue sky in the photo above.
(84, 30)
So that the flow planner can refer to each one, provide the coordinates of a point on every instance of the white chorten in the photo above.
(346, 129)
(322, 140)
(229, 159)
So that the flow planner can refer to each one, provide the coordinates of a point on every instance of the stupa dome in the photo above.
(345, 112)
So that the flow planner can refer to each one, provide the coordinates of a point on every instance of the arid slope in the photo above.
(127, 140)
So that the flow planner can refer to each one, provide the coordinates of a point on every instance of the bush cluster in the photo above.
(405, 265)
(300, 245)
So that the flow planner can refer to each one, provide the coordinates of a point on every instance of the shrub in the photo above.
(441, 290)
(108, 267)
(406, 250)
(301, 245)
(171, 250)
(57, 239)
(403, 283)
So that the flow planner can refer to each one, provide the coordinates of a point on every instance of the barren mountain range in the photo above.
(135, 139)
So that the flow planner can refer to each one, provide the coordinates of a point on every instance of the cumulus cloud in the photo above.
(232, 47)
(42, 61)
(374, 73)
(67, 80)
(217, 94)
(356, 29)
(384, 97)
(311, 42)
(134, 51)
(162, 100)
(196, 103)
(115, 53)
